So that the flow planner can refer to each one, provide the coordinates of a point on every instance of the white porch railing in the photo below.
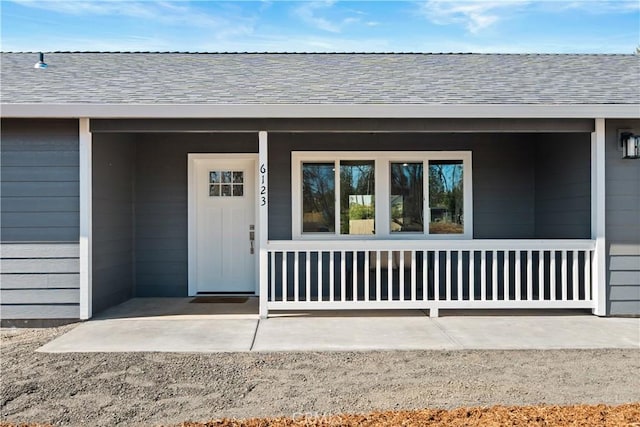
(371, 274)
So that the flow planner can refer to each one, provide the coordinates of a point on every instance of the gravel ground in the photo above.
(170, 388)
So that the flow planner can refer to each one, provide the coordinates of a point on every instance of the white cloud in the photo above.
(308, 13)
(474, 15)
(311, 14)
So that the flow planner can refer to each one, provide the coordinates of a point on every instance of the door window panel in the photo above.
(226, 183)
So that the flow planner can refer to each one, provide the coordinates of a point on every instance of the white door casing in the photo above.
(222, 213)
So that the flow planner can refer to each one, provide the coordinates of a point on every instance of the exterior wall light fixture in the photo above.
(630, 144)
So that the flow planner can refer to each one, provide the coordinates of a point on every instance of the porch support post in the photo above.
(599, 276)
(263, 221)
(85, 219)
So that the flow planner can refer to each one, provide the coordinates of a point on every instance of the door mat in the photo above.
(219, 300)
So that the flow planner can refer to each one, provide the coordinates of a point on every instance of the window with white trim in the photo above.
(403, 195)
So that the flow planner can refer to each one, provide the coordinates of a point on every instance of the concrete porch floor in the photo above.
(176, 325)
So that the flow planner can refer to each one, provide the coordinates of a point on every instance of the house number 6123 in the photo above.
(263, 187)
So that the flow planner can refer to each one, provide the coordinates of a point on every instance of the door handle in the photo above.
(252, 239)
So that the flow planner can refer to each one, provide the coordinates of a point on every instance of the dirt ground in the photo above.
(170, 388)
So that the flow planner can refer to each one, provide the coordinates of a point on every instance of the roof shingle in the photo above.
(280, 78)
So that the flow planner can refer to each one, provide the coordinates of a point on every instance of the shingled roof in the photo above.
(310, 78)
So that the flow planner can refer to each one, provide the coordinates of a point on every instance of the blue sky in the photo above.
(510, 26)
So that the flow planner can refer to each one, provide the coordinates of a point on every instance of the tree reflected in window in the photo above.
(318, 197)
(446, 197)
(357, 199)
(407, 196)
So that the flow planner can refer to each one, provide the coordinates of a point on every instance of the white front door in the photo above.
(223, 224)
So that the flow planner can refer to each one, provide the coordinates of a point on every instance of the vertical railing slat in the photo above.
(332, 276)
(448, 275)
(505, 274)
(541, 275)
(552, 275)
(425, 276)
(296, 276)
(367, 288)
(319, 274)
(529, 275)
(518, 274)
(472, 272)
(285, 276)
(436, 275)
(494, 275)
(343, 275)
(575, 276)
(459, 274)
(563, 273)
(378, 278)
(401, 276)
(413, 275)
(483, 275)
(307, 278)
(354, 275)
(587, 275)
(389, 275)
(272, 257)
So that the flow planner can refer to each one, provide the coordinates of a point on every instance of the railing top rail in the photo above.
(431, 245)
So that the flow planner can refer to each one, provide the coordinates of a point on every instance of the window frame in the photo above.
(382, 164)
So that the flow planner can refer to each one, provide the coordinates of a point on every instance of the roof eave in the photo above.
(253, 111)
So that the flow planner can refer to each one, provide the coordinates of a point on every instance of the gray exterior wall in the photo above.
(563, 186)
(113, 221)
(622, 224)
(507, 171)
(40, 219)
(161, 205)
(504, 171)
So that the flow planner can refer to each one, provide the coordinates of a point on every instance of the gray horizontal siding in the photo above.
(160, 196)
(43, 296)
(42, 174)
(39, 281)
(622, 224)
(40, 158)
(30, 204)
(509, 170)
(38, 234)
(40, 311)
(36, 250)
(617, 263)
(563, 186)
(37, 189)
(40, 265)
(39, 184)
(113, 220)
(623, 248)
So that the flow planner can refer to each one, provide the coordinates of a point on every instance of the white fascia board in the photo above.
(357, 111)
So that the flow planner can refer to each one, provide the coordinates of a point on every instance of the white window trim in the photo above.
(382, 160)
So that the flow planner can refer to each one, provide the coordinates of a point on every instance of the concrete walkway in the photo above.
(176, 325)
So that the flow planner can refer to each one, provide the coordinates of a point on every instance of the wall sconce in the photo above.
(630, 144)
